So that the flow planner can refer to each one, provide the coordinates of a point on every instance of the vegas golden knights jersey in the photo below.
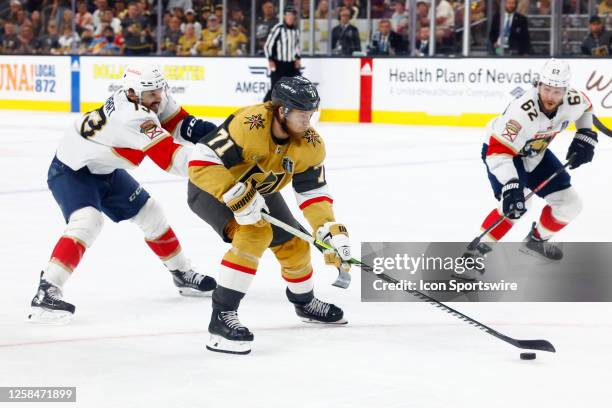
(243, 149)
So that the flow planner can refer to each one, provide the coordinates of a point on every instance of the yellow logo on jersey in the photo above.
(255, 121)
(311, 137)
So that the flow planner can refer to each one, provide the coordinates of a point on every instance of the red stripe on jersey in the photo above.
(549, 222)
(132, 155)
(170, 124)
(588, 100)
(496, 147)
(68, 252)
(201, 163)
(502, 229)
(162, 152)
(239, 268)
(315, 200)
(298, 280)
(165, 245)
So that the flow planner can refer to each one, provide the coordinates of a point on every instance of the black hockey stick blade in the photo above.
(602, 128)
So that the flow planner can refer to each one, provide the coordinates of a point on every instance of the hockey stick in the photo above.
(602, 128)
(542, 345)
(472, 246)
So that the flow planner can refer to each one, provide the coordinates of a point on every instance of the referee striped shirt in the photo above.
(283, 43)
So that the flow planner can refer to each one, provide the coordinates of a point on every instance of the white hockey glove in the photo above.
(246, 203)
(335, 235)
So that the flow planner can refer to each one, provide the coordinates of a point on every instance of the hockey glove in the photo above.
(335, 235)
(246, 203)
(583, 147)
(513, 199)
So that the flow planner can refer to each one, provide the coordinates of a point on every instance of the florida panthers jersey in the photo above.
(119, 135)
(524, 130)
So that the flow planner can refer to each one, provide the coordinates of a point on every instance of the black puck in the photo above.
(528, 356)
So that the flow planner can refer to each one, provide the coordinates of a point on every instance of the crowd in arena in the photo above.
(195, 27)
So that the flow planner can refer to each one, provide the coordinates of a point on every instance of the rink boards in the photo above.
(451, 92)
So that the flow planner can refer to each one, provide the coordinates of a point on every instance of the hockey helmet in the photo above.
(141, 78)
(295, 93)
(555, 73)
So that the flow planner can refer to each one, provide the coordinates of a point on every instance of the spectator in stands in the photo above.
(106, 44)
(264, 24)
(187, 42)
(66, 20)
(422, 17)
(87, 37)
(22, 18)
(10, 40)
(322, 9)
(68, 40)
(525, 7)
(49, 43)
(206, 11)
(211, 41)
(27, 43)
(219, 12)
(236, 41)
(305, 14)
(108, 19)
(15, 8)
(345, 36)
(83, 18)
(400, 19)
(544, 7)
(190, 18)
(599, 41)
(237, 16)
(605, 8)
(445, 21)
(101, 7)
(387, 42)
(36, 23)
(172, 34)
(352, 8)
(136, 32)
(421, 47)
(514, 38)
(120, 9)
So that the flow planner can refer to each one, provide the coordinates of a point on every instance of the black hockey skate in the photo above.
(312, 310)
(541, 248)
(472, 274)
(48, 306)
(227, 334)
(190, 283)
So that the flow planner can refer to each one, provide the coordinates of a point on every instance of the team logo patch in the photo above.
(255, 121)
(511, 130)
(288, 165)
(311, 137)
(150, 129)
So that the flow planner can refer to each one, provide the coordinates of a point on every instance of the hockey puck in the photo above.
(528, 356)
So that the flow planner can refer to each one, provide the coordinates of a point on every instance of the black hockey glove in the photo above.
(583, 146)
(513, 199)
(194, 129)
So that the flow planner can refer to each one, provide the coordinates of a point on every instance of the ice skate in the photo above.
(190, 283)
(535, 246)
(227, 334)
(48, 306)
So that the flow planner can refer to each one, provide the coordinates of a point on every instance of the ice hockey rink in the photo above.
(135, 342)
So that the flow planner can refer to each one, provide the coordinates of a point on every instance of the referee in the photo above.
(283, 49)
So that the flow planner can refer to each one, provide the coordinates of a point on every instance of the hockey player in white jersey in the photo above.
(517, 158)
(88, 179)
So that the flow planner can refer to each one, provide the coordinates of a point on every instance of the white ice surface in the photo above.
(136, 343)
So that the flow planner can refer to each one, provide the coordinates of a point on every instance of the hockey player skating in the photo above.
(517, 158)
(88, 178)
(236, 173)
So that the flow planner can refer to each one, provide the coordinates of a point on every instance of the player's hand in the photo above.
(513, 199)
(297, 64)
(583, 147)
(246, 203)
(335, 235)
(272, 66)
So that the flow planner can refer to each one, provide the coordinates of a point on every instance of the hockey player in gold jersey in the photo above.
(235, 173)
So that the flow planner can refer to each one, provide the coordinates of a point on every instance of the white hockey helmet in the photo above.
(555, 73)
(143, 77)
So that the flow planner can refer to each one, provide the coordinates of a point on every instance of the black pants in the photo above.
(282, 69)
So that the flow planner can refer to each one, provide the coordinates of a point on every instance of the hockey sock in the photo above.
(548, 225)
(65, 257)
(498, 232)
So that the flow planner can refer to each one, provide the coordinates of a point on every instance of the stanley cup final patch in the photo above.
(511, 130)
(288, 165)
